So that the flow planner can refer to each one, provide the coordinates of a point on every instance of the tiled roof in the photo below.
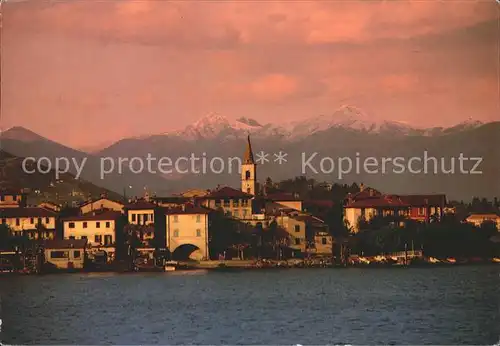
(26, 212)
(378, 202)
(171, 199)
(141, 205)
(100, 199)
(65, 244)
(228, 192)
(367, 192)
(107, 215)
(483, 216)
(423, 200)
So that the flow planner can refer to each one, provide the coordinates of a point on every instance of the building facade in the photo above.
(186, 232)
(34, 222)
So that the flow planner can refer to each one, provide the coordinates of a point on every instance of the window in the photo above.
(108, 239)
(198, 232)
(108, 224)
(59, 254)
(71, 237)
(97, 224)
(134, 217)
(176, 218)
(176, 233)
(98, 238)
(198, 218)
(47, 220)
(76, 254)
(145, 217)
(236, 213)
(71, 225)
(32, 220)
(39, 221)
(244, 203)
(18, 222)
(247, 175)
(244, 211)
(227, 203)
(297, 241)
(85, 224)
(236, 203)
(297, 228)
(421, 211)
(323, 241)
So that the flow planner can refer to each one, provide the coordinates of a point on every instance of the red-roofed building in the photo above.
(369, 203)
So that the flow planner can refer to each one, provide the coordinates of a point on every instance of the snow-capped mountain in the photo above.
(213, 125)
(346, 117)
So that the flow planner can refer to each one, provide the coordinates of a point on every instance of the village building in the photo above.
(34, 222)
(141, 212)
(65, 254)
(477, 219)
(12, 199)
(171, 201)
(50, 206)
(186, 232)
(369, 203)
(98, 229)
(193, 193)
(323, 244)
(231, 202)
(283, 201)
(101, 203)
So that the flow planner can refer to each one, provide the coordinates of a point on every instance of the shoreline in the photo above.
(240, 267)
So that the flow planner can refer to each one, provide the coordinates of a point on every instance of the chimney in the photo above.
(361, 187)
(371, 192)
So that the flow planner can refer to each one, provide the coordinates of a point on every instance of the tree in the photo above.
(5, 236)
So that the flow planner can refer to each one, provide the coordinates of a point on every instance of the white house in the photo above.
(98, 229)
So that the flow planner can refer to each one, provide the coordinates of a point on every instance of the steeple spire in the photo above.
(248, 158)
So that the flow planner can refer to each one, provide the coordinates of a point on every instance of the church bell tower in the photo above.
(248, 171)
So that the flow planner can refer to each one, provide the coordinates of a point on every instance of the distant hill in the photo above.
(43, 187)
(347, 133)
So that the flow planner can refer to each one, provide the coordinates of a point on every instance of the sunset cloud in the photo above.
(101, 63)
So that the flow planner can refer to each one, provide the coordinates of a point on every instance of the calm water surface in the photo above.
(457, 305)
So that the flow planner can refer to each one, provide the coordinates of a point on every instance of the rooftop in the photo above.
(106, 215)
(26, 212)
(140, 205)
(228, 192)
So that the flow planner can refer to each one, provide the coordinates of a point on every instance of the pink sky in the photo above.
(87, 72)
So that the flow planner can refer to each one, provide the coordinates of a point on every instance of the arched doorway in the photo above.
(187, 252)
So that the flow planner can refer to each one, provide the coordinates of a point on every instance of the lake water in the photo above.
(455, 305)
